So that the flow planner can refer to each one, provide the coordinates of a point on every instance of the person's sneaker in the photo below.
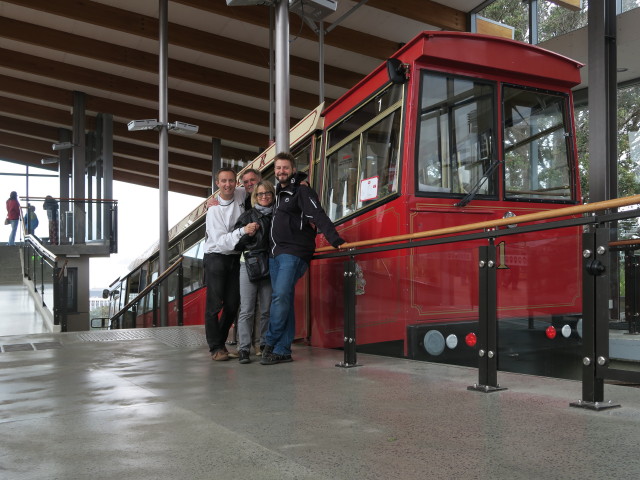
(266, 349)
(233, 354)
(220, 356)
(258, 349)
(243, 355)
(274, 358)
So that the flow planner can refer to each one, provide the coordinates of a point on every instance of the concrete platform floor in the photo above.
(150, 404)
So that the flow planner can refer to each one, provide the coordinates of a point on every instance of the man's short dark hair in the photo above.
(285, 156)
(225, 169)
(251, 170)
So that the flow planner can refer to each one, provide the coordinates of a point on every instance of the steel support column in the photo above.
(163, 154)
(350, 358)
(595, 317)
(79, 168)
(282, 76)
(488, 328)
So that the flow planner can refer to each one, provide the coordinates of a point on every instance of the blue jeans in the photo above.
(14, 229)
(285, 271)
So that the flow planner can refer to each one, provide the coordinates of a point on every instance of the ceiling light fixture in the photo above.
(181, 128)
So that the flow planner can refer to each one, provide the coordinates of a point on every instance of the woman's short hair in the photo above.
(13, 195)
(267, 185)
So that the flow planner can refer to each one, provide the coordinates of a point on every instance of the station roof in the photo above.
(218, 72)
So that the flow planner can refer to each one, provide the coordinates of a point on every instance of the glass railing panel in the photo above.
(47, 282)
(539, 288)
(408, 303)
(624, 321)
(440, 283)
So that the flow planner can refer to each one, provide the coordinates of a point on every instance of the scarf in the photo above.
(264, 210)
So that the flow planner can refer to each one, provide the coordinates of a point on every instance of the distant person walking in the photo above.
(51, 206)
(32, 221)
(13, 216)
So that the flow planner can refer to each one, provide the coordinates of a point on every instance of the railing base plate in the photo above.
(347, 365)
(485, 388)
(597, 406)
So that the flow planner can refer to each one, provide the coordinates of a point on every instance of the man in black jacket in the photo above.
(297, 212)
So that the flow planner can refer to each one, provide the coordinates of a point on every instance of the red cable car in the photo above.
(456, 128)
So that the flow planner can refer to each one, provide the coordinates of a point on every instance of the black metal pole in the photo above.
(488, 319)
(350, 359)
(595, 317)
(179, 295)
(154, 297)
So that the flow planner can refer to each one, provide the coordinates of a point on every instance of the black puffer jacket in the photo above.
(258, 242)
(297, 207)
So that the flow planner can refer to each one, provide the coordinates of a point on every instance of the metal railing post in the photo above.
(595, 317)
(631, 290)
(488, 318)
(154, 297)
(42, 279)
(350, 359)
(57, 294)
(179, 296)
(65, 296)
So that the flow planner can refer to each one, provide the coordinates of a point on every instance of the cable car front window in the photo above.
(536, 145)
(455, 136)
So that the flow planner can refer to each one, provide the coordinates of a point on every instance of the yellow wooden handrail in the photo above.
(499, 222)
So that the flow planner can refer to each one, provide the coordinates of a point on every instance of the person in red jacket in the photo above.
(13, 215)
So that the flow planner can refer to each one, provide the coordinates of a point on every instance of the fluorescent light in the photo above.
(183, 128)
(49, 160)
(244, 3)
(62, 146)
(148, 124)
(314, 10)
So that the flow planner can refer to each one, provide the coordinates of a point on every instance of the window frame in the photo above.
(495, 152)
(569, 135)
(398, 107)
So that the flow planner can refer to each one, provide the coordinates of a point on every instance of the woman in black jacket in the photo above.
(255, 283)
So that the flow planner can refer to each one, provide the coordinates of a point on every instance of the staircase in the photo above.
(10, 265)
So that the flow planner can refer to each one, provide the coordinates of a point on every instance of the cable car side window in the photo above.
(363, 155)
(536, 145)
(455, 140)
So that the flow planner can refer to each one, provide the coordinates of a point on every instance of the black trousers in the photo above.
(222, 274)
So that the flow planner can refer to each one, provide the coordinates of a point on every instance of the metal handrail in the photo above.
(500, 222)
(149, 287)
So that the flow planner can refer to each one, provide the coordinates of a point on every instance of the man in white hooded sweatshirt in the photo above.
(222, 262)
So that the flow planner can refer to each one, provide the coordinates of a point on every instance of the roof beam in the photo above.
(83, 78)
(126, 21)
(151, 182)
(20, 142)
(151, 170)
(340, 37)
(46, 93)
(30, 131)
(24, 157)
(424, 11)
(130, 58)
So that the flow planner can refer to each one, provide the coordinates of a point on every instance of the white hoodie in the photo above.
(220, 236)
